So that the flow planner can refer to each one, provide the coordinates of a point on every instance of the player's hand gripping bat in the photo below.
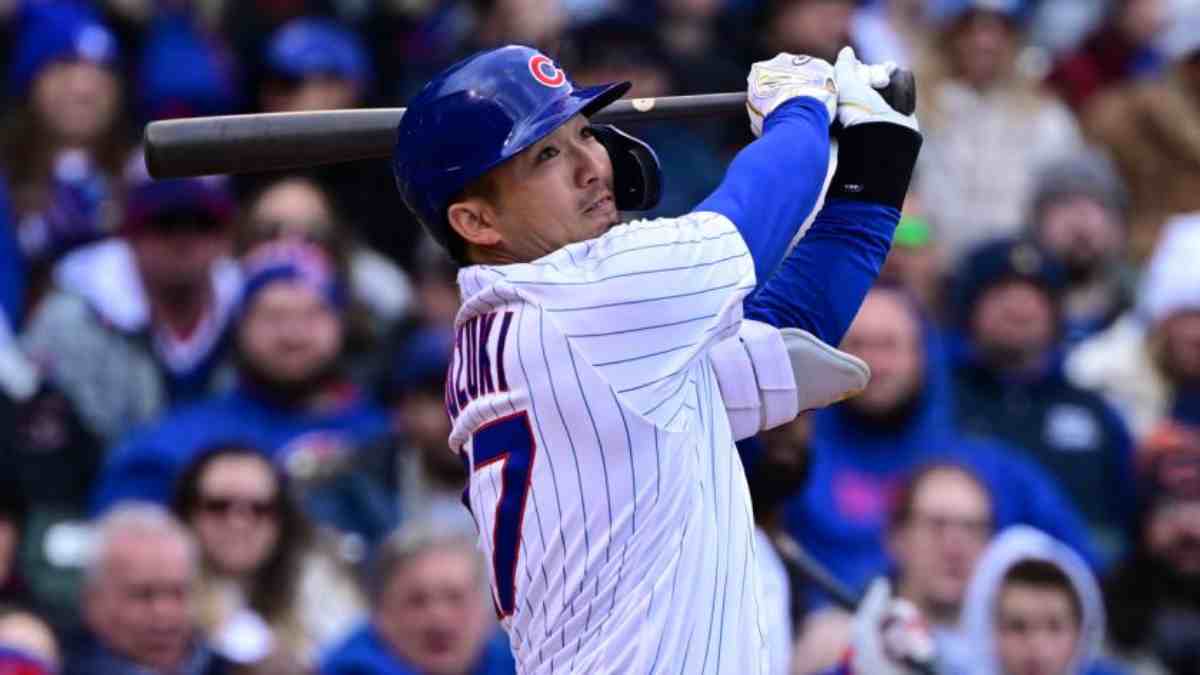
(273, 141)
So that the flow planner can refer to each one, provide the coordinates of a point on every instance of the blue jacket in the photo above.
(147, 463)
(365, 653)
(12, 263)
(857, 466)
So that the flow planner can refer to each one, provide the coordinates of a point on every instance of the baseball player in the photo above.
(602, 371)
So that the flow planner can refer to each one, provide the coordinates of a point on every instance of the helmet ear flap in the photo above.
(637, 174)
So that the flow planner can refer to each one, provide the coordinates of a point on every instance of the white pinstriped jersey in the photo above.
(608, 492)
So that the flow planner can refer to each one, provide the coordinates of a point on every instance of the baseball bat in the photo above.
(795, 557)
(201, 146)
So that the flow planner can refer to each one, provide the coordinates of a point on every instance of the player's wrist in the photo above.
(875, 163)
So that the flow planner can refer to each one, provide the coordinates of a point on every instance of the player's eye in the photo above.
(547, 153)
(587, 132)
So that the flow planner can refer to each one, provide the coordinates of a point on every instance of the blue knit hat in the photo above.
(184, 73)
(51, 31)
(309, 47)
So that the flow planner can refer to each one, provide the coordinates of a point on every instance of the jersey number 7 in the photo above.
(508, 440)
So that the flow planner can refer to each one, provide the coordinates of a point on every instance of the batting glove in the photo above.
(858, 100)
(785, 77)
(889, 636)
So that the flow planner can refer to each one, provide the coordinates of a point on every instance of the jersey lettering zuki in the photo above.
(604, 480)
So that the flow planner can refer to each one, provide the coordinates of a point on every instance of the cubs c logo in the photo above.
(544, 71)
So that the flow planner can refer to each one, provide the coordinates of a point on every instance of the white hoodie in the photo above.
(1013, 545)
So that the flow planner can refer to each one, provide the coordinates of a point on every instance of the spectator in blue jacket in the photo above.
(294, 399)
(1009, 385)
(431, 611)
(862, 448)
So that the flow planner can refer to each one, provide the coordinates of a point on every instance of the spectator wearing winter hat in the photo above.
(61, 149)
(1154, 595)
(156, 302)
(1077, 214)
(1147, 363)
(987, 126)
(1150, 126)
(1009, 385)
(380, 293)
(294, 399)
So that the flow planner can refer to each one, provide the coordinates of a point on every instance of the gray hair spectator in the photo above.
(25, 633)
(140, 587)
(431, 609)
(1077, 214)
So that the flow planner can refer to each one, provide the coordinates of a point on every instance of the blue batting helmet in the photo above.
(486, 109)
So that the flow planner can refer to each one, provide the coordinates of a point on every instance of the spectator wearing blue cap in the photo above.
(987, 124)
(314, 64)
(62, 145)
(185, 71)
(138, 322)
(1009, 385)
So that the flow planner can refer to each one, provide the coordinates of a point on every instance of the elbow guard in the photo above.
(768, 376)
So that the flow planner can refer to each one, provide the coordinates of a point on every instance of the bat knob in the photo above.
(901, 92)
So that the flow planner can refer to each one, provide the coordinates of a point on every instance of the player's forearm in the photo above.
(774, 183)
(821, 285)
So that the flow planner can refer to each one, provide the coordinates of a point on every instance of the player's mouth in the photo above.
(602, 205)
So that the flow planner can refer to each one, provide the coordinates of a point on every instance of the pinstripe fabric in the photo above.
(636, 551)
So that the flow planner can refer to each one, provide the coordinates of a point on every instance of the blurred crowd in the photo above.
(222, 431)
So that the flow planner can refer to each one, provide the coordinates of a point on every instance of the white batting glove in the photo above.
(858, 100)
(889, 635)
(785, 77)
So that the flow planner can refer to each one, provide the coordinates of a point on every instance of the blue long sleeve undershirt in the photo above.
(771, 188)
(822, 283)
(773, 184)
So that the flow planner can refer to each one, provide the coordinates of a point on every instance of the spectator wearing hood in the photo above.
(62, 147)
(1151, 127)
(862, 448)
(1033, 606)
(987, 126)
(1078, 214)
(294, 399)
(1153, 596)
(1147, 364)
(138, 323)
(1009, 385)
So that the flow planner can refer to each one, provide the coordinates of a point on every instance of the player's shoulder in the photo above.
(626, 247)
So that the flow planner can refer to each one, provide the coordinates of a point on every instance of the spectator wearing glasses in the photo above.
(939, 525)
(269, 591)
(299, 206)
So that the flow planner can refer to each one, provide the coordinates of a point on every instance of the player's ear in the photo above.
(472, 219)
